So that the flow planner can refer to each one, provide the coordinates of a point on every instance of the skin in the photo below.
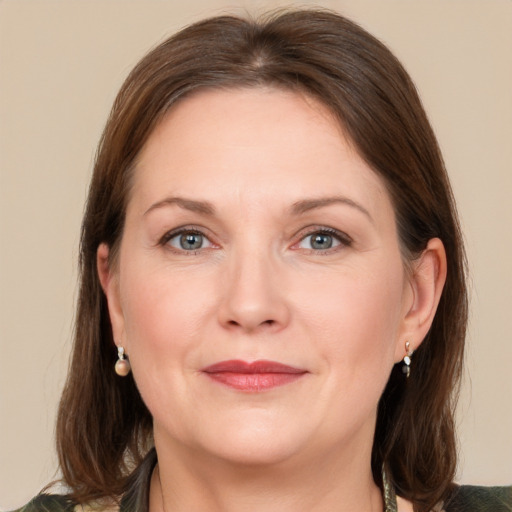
(257, 170)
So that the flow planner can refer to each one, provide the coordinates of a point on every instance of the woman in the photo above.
(271, 261)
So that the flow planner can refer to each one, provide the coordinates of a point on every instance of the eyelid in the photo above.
(343, 239)
(172, 233)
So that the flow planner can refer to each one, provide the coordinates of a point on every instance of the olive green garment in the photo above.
(464, 498)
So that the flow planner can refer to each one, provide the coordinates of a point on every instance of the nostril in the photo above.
(268, 323)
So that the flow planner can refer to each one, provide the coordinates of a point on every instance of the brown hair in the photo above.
(104, 428)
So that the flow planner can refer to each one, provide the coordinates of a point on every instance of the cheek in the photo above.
(161, 311)
(164, 324)
(358, 316)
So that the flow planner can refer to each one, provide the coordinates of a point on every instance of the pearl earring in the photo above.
(406, 368)
(122, 366)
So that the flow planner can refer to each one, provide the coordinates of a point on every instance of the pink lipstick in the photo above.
(253, 377)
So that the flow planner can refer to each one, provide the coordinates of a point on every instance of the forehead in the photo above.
(252, 142)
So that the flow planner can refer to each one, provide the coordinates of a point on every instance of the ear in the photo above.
(428, 275)
(109, 280)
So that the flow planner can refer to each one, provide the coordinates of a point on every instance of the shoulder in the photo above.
(135, 499)
(472, 498)
(59, 503)
(48, 503)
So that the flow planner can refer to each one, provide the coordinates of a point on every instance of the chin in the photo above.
(261, 445)
(255, 453)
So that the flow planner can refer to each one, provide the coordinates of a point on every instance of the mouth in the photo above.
(253, 377)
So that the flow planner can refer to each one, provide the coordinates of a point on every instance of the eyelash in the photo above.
(342, 238)
(190, 230)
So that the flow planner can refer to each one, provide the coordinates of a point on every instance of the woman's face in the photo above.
(255, 233)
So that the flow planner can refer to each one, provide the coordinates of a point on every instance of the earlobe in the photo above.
(427, 281)
(110, 285)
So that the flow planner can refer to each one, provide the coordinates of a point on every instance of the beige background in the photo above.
(61, 64)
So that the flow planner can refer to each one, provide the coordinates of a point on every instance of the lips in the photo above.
(253, 377)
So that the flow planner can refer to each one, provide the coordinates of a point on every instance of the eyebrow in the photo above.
(297, 208)
(202, 207)
(306, 205)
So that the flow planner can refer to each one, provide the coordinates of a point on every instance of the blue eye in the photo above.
(189, 241)
(323, 241)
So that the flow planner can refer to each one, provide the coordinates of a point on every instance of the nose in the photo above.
(254, 297)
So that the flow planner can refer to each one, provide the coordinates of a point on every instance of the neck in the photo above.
(329, 483)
